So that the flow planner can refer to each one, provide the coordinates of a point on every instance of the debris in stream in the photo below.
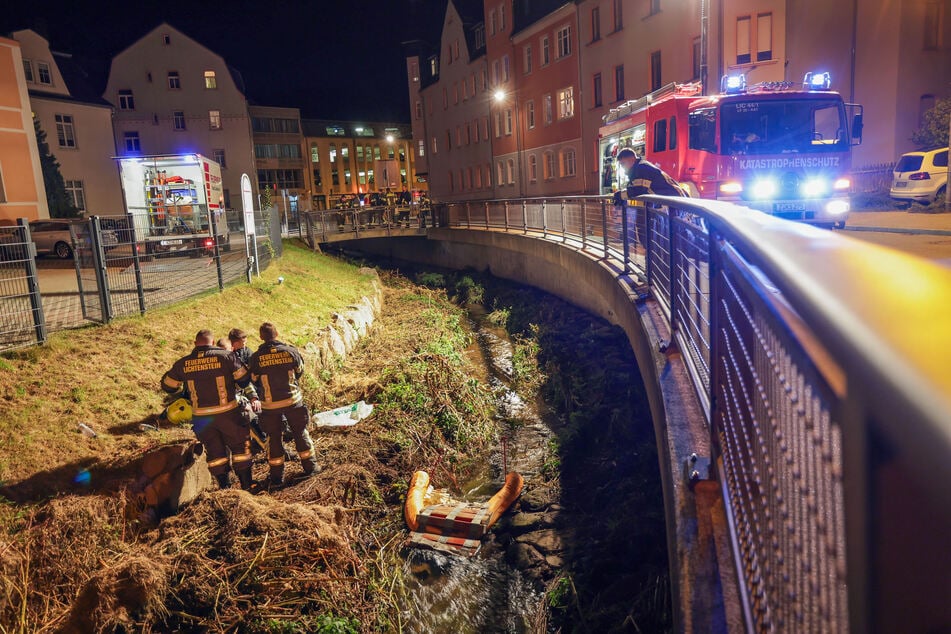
(452, 526)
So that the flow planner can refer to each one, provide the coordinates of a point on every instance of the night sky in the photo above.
(335, 60)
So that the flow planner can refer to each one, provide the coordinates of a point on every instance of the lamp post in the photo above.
(500, 98)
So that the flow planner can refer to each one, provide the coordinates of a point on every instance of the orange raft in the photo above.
(457, 528)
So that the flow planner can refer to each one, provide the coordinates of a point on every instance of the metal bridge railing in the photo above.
(822, 365)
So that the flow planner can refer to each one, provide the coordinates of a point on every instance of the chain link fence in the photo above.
(115, 271)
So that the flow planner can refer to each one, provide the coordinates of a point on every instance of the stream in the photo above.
(485, 593)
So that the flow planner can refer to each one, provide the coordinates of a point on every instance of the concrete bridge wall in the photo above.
(698, 551)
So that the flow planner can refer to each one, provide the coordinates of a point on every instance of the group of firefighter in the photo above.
(227, 386)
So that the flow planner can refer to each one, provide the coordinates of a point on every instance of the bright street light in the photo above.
(499, 95)
(389, 138)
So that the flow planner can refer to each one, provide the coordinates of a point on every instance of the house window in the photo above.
(655, 70)
(934, 25)
(764, 37)
(566, 103)
(510, 171)
(595, 24)
(696, 58)
(211, 81)
(126, 100)
(619, 83)
(28, 70)
(500, 173)
(43, 71)
(618, 15)
(508, 122)
(419, 109)
(455, 93)
(546, 51)
(527, 56)
(433, 66)
(347, 177)
(448, 140)
(569, 163)
(166, 39)
(505, 68)
(65, 134)
(478, 177)
(214, 119)
(547, 106)
(564, 42)
(74, 189)
(178, 120)
(132, 143)
(655, 7)
(421, 149)
(492, 22)
(479, 36)
(743, 40)
(548, 170)
(219, 156)
(498, 124)
(488, 175)
(174, 81)
(445, 98)
(435, 147)
(530, 114)
(532, 168)
(596, 90)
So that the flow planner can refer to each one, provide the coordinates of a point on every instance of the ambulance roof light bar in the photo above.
(817, 81)
(732, 84)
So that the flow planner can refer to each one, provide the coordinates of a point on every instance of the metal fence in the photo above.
(776, 327)
(325, 225)
(876, 178)
(117, 271)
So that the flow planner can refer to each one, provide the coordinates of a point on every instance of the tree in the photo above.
(934, 129)
(60, 203)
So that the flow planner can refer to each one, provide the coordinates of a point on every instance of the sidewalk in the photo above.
(901, 220)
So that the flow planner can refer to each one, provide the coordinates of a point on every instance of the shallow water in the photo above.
(483, 594)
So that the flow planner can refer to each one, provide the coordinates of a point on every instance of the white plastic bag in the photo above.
(343, 416)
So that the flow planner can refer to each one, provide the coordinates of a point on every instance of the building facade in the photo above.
(279, 157)
(349, 158)
(78, 125)
(174, 96)
(22, 192)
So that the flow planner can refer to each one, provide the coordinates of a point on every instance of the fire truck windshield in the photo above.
(761, 126)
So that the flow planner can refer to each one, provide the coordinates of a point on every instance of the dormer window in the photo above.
(166, 39)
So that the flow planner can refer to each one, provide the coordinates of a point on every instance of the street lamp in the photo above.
(500, 97)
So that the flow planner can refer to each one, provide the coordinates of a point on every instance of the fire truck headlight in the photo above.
(814, 187)
(731, 187)
(837, 207)
(842, 184)
(764, 188)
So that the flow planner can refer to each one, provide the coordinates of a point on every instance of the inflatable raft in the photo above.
(458, 527)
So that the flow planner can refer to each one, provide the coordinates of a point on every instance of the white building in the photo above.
(174, 96)
(77, 122)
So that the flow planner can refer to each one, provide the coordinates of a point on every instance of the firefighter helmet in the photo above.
(179, 412)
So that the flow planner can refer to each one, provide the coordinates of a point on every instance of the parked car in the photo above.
(52, 237)
(920, 177)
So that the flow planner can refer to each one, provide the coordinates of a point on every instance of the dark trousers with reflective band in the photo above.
(297, 418)
(220, 434)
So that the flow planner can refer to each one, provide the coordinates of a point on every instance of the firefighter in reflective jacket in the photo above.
(210, 375)
(276, 369)
(644, 178)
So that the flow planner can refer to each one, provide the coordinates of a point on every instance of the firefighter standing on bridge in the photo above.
(210, 375)
(276, 369)
(644, 178)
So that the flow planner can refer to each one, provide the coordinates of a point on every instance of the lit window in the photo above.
(214, 119)
(74, 189)
(178, 120)
(65, 134)
(211, 81)
(174, 81)
(566, 103)
(421, 150)
(126, 100)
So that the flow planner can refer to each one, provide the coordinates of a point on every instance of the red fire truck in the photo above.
(781, 148)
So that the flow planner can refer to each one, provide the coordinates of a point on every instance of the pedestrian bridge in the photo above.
(799, 382)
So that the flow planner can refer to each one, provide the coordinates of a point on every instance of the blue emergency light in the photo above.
(817, 81)
(733, 83)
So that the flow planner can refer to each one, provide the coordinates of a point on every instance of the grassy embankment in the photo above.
(315, 556)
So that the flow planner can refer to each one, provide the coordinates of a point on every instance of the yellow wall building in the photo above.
(22, 193)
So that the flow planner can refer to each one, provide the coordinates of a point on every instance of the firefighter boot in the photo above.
(224, 480)
(244, 477)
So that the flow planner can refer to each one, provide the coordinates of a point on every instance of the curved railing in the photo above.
(823, 366)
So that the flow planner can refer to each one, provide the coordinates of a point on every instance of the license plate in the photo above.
(169, 243)
(901, 184)
(789, 207)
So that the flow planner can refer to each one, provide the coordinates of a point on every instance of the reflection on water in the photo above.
(452, 594)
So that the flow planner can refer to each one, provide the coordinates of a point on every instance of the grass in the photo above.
(108, 376)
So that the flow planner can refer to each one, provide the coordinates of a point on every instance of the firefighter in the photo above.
(276, 368)
(211, 375)
(645, 177)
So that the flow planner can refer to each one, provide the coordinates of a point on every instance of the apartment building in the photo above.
(172, 95)
(417, 53)
(22, 192)
(77, 122)
(347, 157)
(456, 98)
(279, 157)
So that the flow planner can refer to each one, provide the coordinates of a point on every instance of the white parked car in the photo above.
(920, 177)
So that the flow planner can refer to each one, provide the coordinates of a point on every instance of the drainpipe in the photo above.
(704, 42)
(855, 29)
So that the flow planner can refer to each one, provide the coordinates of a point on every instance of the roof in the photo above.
(318, 128)
(528, 12)
(85, 78)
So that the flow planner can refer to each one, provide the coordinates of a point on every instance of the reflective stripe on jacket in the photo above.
(276, 369)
